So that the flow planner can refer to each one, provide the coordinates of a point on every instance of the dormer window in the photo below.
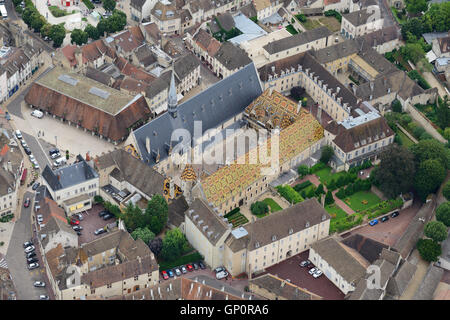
(291, 231)
(257, 245)
(274, 238)
(307, 224)
(356, 144)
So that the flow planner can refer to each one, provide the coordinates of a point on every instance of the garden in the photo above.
(236, 218)
(291, 29)
(362, 200)
(274, 207)
(57, 12)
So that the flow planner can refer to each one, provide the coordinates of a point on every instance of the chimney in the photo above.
(338, 89)
(299, 106)
(147, 145)
(371, 86)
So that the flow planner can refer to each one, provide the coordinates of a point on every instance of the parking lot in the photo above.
(290, 269)
(91, 222)
(390, 231)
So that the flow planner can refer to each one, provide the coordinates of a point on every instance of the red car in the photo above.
(26, 204)
(165, 275)
(74, 222)
(190, 267)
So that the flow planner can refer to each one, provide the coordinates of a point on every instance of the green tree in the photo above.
(156, 246)
(92, 32)
(98, 199)
(443, 213)
(414, 26)
(396, 106)
(57, 34)
(329, 198)
(45, 30)
(320, 190)
(27, 15)
(133, 217)
(429, 249)
(446, 191)
(156, 213)
(117, 21)
(331, 185)
(447, 133)
(327, 153)
(102, 27)
(173, 244)
(443, 112)
(413, 52)
(109, 5)
(430, 175)
(429, 150)
(395, 174)
(144, 234)
(37, 21)
(349, 190)
(416, 6)
(303, 170)
(259, 208)
(436, 230)
(79, 37)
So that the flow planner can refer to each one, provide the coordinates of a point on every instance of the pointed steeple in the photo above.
(172, 99)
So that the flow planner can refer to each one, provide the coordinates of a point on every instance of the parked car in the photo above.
(305, 263)
(77, 228)
(29, 249)
(373, 222)
(219, 269)
(108, 216)
(40, 218)
(177, 272)
(43, 297)
(385, 218)
(33, 265)
(201, 265)
(78, 232)
(103, 213)
(32, 260)
(26, 204)
(30, 255)
(27, 244)
(18, 134)
(99, 231)
(32, 158)
(27, 150)
(195, 265)
(165, 275)
(312, 271)
(170, 273)
(317, 274)
(183, 269)
(23, 143)
(37, 114)
(35, 164)
(79, 216)
(53, 151)
(190, 267)
(395, 214)
(39, 284)
(221, 275)
(55, 155)
(74, 222)
(35, 185)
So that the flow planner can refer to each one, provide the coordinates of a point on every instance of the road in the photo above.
(37, 151)
(15, 257)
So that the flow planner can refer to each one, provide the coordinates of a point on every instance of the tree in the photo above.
(310, 193)
(395, 174)
(259, 208)
(45, 30)
(98, 199)
(144, 234)
(57, 34)
(156, 246)
(446, 191)
(320, 190)
(102, 27)
(413, 26)
(447, 133)
(109, 5)
(329, 198)
(303, 170)
(92, 32)
(156, 214)
(436, 230)
(443, 113)
(413, 52)
(443, 213)
(117, 21)
(27, 15)
(297, 92)
(350, 190)
(173, 244)
(67, 154)
(341, 194)
(396, 106)
(327, 153)
(331, 185)
(431, 149)
(37, 21)
(430, 175)
(416, 6)
(429, 249)
(133, 217)
(79, 37)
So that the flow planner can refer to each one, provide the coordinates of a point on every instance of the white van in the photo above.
(60, 161)
(37, 114)
(18, 134)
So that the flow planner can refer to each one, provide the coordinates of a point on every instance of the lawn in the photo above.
(291, 29)
(335, 211)
(355, 201)
(406, 141)
(57, 12)
(331, 23)
(325, 175)
(311, 24)
(274, 207)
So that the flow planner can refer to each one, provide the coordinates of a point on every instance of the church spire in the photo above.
(172, 99)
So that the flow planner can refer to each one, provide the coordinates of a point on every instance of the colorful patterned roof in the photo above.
(273, 110)
(230, 180)
(188, 173)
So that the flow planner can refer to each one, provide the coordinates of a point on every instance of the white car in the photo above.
(39, 284)
(221, 275)
(40, 218)
(18, 134)
(317, 274)
(36, 165)
(55, 155)
(37, 114)
(29, 249)
(24, 143)
(33, 265)
(32, 158)
(43, 297)
(312, 271)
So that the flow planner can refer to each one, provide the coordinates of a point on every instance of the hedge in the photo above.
(333, 13)
(88, 4)
(365, 165)
(289, 194)
(415, 75)
(235, 210)
(299, 187)
(318, 166)
(190, 258)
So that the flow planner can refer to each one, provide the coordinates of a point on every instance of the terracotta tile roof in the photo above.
(207, 42)
(69, 52)
(153, 31)
(4, 150)
(130, 39)
(50, 208)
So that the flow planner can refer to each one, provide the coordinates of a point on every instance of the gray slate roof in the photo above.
(429, 283)
(360, 17)
(71, 175)
(213, 106)
(297, 40)
(231, 56)
(400, 281)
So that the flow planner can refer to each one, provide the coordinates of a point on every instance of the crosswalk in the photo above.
(3, 264)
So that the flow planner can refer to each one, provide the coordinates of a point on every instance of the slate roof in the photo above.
(137, 4)
(226, 21)
(231, 56)
(249, 10)
(133, 171)
(381, 36)
(297, 40)
(400, 281)
(368, 248)
(429, 283)
(145, 56)
(359, 18)
(70, 175)
(337, 51)
(185, 65)
(177, 207)
(98, 76)
(213, 106)
(199, 210)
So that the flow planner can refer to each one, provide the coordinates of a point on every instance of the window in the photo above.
(136, 278)
(109, 286)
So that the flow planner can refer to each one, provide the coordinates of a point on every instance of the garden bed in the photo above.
(274, 207)
(236, 218)
(362, 200)
(335, 211)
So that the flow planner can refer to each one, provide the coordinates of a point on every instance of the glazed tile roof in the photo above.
(230, 180)
(188, 173)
